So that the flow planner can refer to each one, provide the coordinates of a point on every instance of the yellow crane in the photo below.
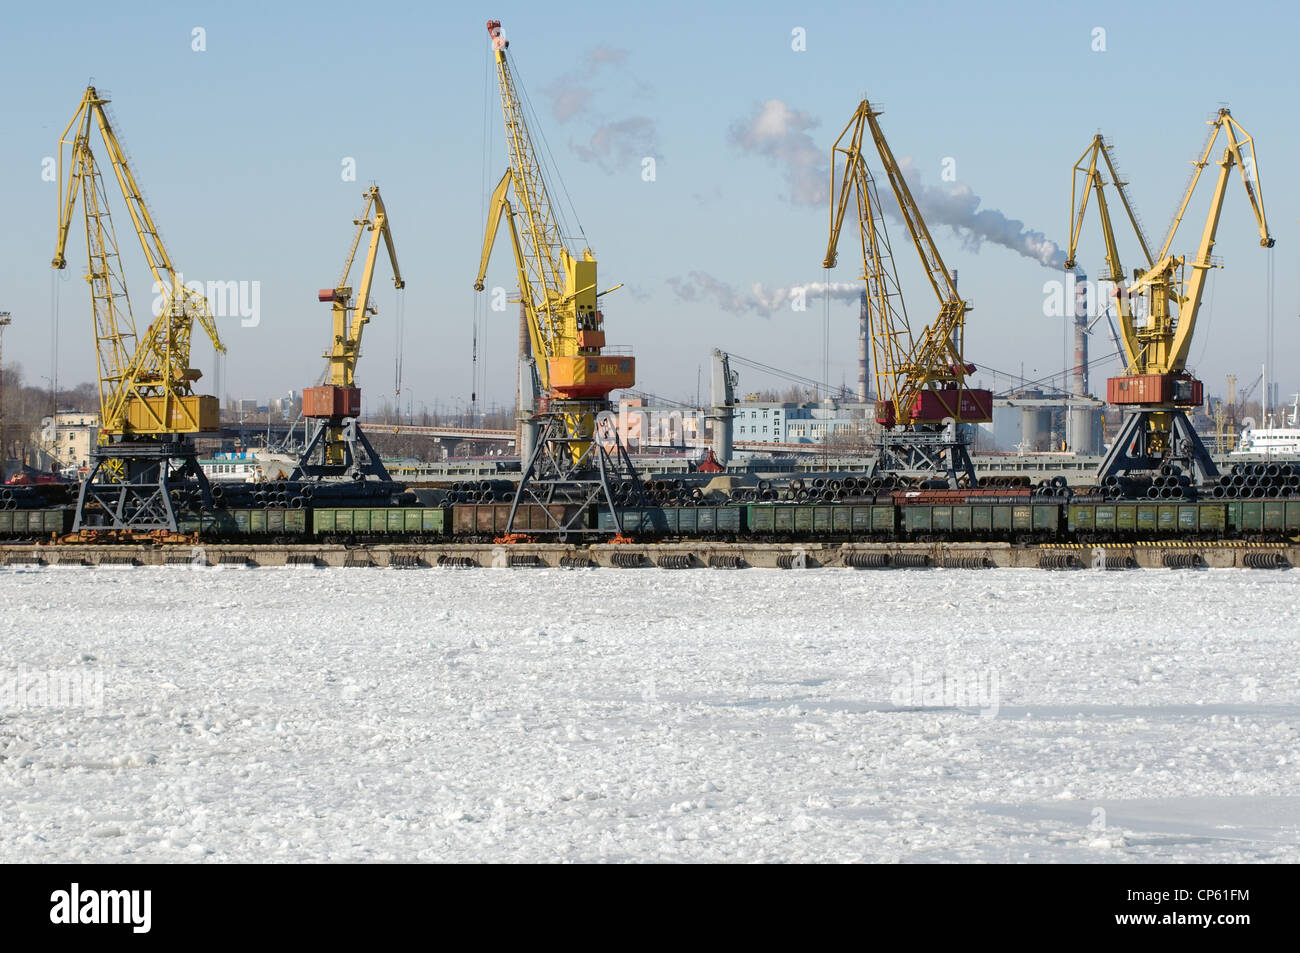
(924, 395)
(148, 406)
(1156, 387)
(337, 447)
(571, 462)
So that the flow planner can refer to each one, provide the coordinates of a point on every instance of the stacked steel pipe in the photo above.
(1257, 481)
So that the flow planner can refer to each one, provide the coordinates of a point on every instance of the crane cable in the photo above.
(546, 162)
(1209, 318)
(399, 312)
(479, 307)
(1270, 276)
(54, 346)
(826, 337)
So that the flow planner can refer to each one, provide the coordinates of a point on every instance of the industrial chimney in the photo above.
(864, 331)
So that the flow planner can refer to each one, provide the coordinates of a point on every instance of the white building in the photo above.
(68, 437)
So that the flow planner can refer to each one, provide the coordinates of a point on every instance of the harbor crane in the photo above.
(577, 454)
(148, 408)
(921, 380)
(1156, 390)
(337, 448)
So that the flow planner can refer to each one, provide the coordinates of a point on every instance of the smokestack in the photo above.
(864, 331)
(1080, 378)
(525, 429)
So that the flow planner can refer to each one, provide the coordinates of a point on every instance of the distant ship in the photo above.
(1271, 441)
(249, 466)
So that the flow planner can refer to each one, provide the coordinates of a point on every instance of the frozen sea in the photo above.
(222, 714)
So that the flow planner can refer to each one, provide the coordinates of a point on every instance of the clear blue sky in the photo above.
(239, 150)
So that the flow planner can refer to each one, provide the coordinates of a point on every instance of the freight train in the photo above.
(1023, 520)
(1253, 502)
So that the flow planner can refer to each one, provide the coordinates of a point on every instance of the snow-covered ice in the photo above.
(760, 715)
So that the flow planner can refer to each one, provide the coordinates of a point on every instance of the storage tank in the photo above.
(1035, 423)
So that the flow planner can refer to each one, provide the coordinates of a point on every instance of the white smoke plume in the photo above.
(959, 209)
(571, 93)
(781, 133)
(618, 143)
(613, 143)
(758, 299)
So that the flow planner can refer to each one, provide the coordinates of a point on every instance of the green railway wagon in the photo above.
(433, 519)
(1101, 519)
(363, 519)
(1002, 519)
(1246, 517)
(841, 520)
(706, 520)
(651, 521)
(916, 519)
(209, 525)
(981, 520)
(783, 520)
(1274, 517)
(1212, 519)
(803, 520)
(761, 518)
(860, 520)
(1046, 520)
(39, 522)
(962, 520)
(685, 521)
(719, 520)
(1146, 519)
(675, 520)
(941, 520)
(822, 520)
(731, 519)
(883, 520)
(267, 522)
(1262, 517)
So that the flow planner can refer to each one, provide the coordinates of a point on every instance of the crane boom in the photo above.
(346, 346)
(1161, 346)
(1094, 182)
(1168, 346)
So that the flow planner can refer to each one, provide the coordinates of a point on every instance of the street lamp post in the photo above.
(5, 320)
